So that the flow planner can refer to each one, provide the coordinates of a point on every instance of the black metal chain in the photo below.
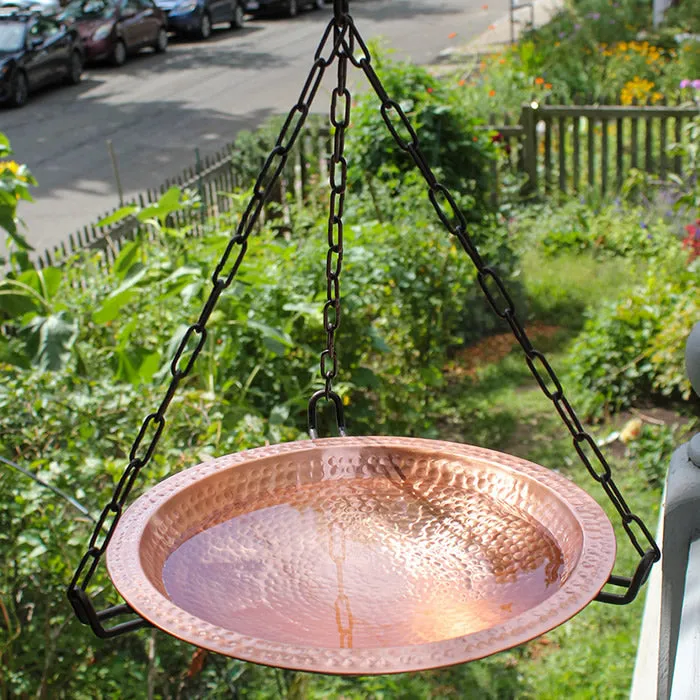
(338, 176)
(192, 343)
(342, 46)
(502, 304)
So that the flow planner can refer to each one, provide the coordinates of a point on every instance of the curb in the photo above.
(497, 36)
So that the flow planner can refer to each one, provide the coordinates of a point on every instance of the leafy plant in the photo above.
(615, 230)
(651, 451)
(15, 181)
(460, 152)
(689, 186)
(619, 359)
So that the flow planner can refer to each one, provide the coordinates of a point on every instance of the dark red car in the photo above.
(112, 29)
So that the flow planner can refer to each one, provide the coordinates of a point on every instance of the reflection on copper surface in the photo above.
(343, 612)
(415, 571)
(359, 546)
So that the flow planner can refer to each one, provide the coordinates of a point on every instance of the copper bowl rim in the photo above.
(588, 576)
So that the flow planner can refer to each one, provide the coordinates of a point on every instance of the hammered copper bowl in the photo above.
(362, 555)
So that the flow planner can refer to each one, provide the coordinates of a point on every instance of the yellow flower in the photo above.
(14, 168)
(9, 165)
(637, 88)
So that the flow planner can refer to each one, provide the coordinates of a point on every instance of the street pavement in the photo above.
(158, 108)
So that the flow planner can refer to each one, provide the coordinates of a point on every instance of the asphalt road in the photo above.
(158, 108)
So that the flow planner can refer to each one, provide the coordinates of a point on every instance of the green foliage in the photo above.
(453, 145)
(15, 181)
(619, 361)
(560, 289)
(498, 84)
(568, 49)
(623, 273)
(651, 451)
(615, 230)
(596, 50)
(684, 16)
(688, 187)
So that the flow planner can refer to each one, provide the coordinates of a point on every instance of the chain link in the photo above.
(193, 341)
(502, 304)
(338, 177)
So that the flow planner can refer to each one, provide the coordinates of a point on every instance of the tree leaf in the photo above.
(167, 204)
(121, 296)
(135, 365)
(54, 337)
(279, 414)
(278, 337)
(126, 259)
(118, 215)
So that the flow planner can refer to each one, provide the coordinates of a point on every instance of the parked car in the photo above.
(36, 51)
(289, 8)
(49, 8)
(113, 29)
(198, 16)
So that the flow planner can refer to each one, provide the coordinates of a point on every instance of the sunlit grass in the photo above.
(561, 288)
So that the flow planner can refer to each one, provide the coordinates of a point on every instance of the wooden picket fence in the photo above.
(569, 149)
(591, 149)
(214, 179)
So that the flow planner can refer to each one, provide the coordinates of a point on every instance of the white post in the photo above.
(668, 628)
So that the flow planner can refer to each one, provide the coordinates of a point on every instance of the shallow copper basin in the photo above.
(362, 555)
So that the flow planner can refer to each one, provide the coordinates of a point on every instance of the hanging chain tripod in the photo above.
(342, 42)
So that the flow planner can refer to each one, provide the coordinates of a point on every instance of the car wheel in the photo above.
(75, 68)
(237, 21)
(204, 27)
(292, 8)
(161, 41)
(20, 90)
(119, 53)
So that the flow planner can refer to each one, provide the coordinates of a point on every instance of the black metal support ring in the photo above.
(313, 412)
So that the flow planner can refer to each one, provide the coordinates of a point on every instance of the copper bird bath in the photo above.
(357, 555)
(361, 555)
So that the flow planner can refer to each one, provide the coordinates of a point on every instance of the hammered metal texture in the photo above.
(362, 555)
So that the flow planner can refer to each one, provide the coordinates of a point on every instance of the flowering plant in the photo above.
(15, 180)
(636, 69)
(692, 240)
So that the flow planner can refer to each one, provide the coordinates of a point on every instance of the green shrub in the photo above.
(575, 258)
(559, 289)
(609, 51)
(651, 451)
(630, 349)
(616, 230)
(460, 153)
